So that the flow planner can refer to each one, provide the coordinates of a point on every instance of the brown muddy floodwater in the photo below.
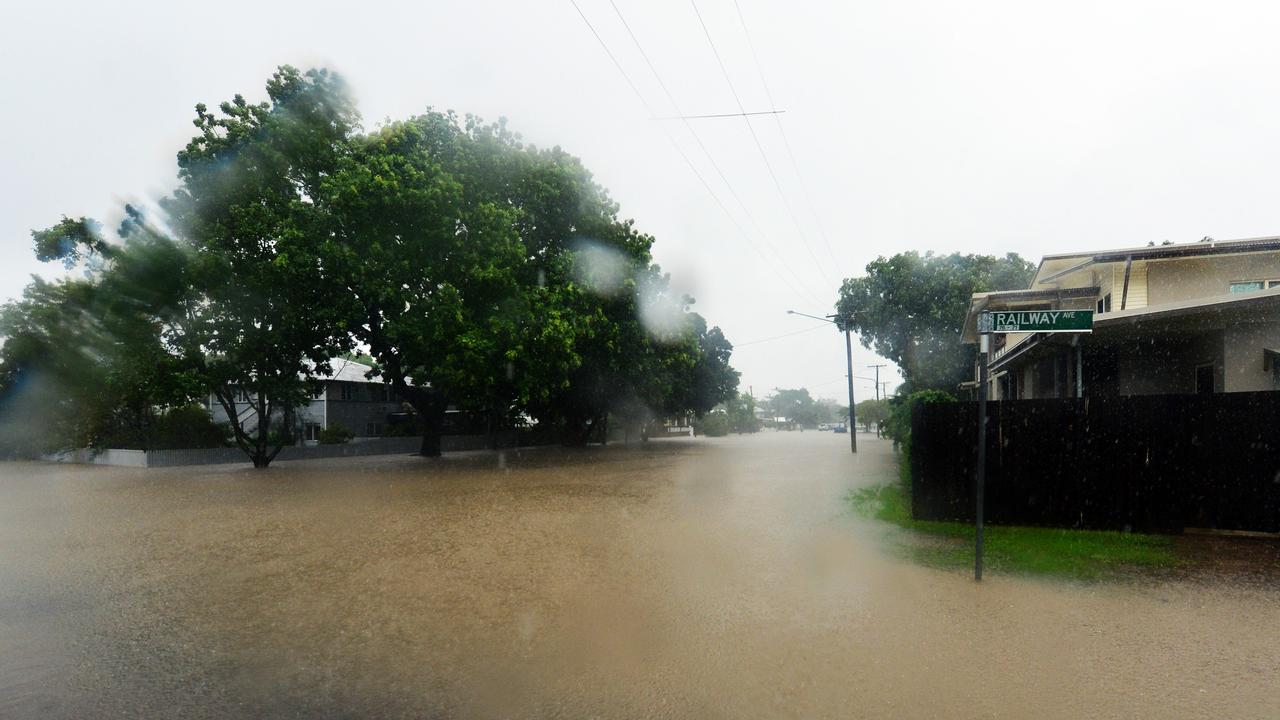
(685, 579)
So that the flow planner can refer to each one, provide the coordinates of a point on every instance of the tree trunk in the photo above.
(431, 407)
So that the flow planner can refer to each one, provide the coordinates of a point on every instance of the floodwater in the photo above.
(687, 578)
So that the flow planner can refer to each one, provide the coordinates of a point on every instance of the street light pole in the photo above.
(848, 352)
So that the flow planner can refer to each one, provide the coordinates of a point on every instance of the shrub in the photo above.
(188, 427)
(898, 425)
(714, 424)
(335, 434)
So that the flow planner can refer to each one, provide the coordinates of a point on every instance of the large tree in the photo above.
(498, 277)
(478, 271)
(910, 308)
(229, 278)
(447, 267)
(84, 358)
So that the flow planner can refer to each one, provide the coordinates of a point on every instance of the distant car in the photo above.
(840, 428)
(824, 426)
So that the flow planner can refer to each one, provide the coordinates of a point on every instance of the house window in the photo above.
(379, 392)
(1204, 379)
(1246, 286)
(311, 431)
(1104, 304)
(1273, 283)
(348, 391)
(373, 429)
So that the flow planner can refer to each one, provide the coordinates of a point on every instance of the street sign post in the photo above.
(1009, 321)
(1045, 321)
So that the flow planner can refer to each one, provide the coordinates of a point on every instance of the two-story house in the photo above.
(1199, 317)
(362, 405)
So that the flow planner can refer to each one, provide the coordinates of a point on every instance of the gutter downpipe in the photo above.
(1124, 294)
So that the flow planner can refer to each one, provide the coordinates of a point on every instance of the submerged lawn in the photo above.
(1076, 554)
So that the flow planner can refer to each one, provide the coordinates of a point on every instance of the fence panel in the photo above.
(1155, 463)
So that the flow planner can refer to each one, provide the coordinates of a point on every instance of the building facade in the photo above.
(349, 399)
(1193, 318)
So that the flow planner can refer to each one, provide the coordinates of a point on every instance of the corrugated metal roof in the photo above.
(1053, 266)
(345, 370)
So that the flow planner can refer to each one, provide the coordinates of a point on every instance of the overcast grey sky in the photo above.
(980, 127)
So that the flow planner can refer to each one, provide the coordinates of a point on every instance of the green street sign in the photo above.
(1045, 321)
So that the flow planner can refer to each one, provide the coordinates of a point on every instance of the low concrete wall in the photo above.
(218, 456)
(88, 456)
(224, 456)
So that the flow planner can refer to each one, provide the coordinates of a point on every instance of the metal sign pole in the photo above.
(1013, 321)
(984, 343)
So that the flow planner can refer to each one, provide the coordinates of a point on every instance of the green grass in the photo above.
(1054, 552)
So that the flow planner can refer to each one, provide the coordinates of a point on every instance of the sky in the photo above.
(987, 127)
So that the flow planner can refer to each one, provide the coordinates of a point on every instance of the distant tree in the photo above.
(741, 411)
(910, 308)
(871, 412)
(796, 405)
(707, 379)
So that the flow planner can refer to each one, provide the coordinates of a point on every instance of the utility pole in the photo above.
(848, 354)
(877, 367)
(842, 323)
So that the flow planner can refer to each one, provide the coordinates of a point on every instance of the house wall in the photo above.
(1189, 278)
(364, 411)
(362, 414)
(1110, 279)
(1156, 364)
(1242, 356)
(313, 412)
(1138, 279)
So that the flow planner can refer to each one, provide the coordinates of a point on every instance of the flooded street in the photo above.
(687, 578)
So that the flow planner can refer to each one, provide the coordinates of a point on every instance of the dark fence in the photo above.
(1157, 463)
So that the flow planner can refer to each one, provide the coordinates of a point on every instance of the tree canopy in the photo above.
(910, 308)
(478, 271)
(796, 405)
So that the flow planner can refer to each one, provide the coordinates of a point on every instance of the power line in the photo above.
(782, 260)
(778, 337)
(692, 168)
(769, 166)
(717, 115)
(786, 143)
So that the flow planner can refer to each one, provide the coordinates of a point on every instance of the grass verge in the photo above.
(1055, 552)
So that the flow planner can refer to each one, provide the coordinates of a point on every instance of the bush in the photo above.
(335, 434)
(188, 427)
(898, 425)
(714, 424)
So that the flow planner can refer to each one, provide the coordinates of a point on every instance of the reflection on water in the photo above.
(687, 578)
